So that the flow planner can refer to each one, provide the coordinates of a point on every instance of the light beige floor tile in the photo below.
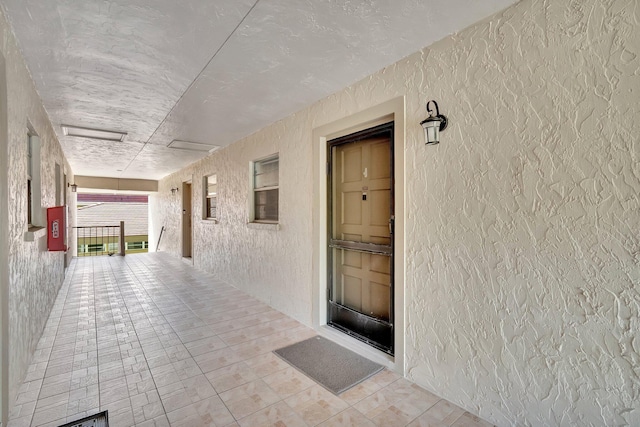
(205, 345)
(165, 375)
(348, 418)
(113, 390)
(217, 359)
(140, 382)
(74, 415)
(266, 364)
(398, 414)
(207, 412)
(231, 376)
(276, 415)
(20, 422)
(187, 368)
(445, 411)
(57, 379)
(22, 410)
(198, 388)
(288, 382)
(120, 322)
(111, 373)
(401, 398)
(146, 406)
(426, 420)
(160, 421)
(249, 398)
(51, 401)
(52, 413)
(178, 352)
(54, 389)
(174, 397)
(29, 391)
(470, 420)
(316, 404)
(135, 364)
(159, 358)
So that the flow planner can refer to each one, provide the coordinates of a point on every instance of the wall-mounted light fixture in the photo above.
(74, 187)
(174, 190)
(433, 124)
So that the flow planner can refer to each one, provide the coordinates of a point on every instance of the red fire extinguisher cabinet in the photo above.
(56, 229)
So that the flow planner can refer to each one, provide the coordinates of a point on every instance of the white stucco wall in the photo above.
(522, 242)
(34, 274)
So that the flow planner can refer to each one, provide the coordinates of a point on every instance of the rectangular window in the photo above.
(135, 245)
(265, 189)
(29, 178)
(211, 197)
(98, 247)
(34, 193)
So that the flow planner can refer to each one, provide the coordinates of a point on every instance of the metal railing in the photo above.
(99, 240)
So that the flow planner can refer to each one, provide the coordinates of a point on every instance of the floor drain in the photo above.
(97, 420)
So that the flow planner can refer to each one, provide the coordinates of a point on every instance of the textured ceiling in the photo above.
(207, 71)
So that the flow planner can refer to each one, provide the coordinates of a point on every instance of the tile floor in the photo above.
(158, 343)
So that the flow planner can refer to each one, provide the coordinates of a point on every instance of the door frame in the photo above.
(390, 111)
(355, 316)
(4, 247)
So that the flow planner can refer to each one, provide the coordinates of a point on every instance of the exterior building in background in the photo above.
(99, 217)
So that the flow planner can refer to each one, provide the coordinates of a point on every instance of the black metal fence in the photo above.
(99, 240)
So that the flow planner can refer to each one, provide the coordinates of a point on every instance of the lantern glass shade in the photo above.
(431, 131)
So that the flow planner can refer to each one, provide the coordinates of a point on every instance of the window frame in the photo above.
(35, 214)
(254, 190)
(207, 198)
(29, 182)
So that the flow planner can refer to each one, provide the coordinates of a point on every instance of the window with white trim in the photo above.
(134, 245)
(29, 180)
(210, 191)
(265, 189)
(34, 197)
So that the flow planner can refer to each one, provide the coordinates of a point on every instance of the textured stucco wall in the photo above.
(35, 275)
(522, 242)
(273, 265)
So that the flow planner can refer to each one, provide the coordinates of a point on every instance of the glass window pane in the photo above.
(212, 205)
(266, 173)
(266, 205)
(212, 185)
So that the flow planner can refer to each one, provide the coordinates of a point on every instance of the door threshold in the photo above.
(187, 260)
(359, 347)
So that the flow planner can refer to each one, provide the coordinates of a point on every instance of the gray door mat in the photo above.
(336, 368)
(98, 420)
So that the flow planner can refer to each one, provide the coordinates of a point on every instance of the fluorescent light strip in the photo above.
(192, 146)
(81, 132)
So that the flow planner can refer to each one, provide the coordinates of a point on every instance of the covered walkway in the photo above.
(156, 343)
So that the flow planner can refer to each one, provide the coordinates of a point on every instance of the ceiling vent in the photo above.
(192, 146)
(107, 135)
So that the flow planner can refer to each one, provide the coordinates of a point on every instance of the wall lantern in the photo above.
(74, 187)
(174, 190)
(433, 124)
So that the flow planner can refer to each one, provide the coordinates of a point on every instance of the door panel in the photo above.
(187, 236)
(361, 244)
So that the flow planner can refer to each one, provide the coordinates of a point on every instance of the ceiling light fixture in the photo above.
(82, 132)
(192, 146)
